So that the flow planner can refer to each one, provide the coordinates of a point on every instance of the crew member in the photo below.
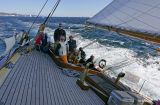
(62, 51)
(24, 38)
(81, 56)
(38, 40)
(72, 44)
(91, 63)
(39, 36)
(59, 32)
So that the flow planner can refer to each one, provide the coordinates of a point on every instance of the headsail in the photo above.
(139, 16)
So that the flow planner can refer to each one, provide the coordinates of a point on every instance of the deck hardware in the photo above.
(81, 82)
(120, 75)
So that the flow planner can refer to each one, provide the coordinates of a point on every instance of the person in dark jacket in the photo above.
(82, 56)
(45, 45)
(91, 65)
(59, 32)
(72, 44)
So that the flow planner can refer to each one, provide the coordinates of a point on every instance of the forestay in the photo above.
(137, 15)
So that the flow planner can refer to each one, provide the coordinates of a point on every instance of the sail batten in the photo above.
(137, 15)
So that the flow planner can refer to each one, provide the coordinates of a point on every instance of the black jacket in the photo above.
(59, 32)
(90, 60)
(72, 45)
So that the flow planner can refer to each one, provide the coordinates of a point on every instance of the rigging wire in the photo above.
(43, 25)
(96, 40)
(37, 16)
(52, 12)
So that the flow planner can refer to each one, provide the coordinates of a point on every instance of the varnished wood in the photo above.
(68, 66)
(136, 34)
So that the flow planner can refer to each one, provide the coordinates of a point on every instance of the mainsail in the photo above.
(138, 18)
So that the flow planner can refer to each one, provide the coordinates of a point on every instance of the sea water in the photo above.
(138, 59)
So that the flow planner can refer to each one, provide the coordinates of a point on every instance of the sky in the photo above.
(68, 8)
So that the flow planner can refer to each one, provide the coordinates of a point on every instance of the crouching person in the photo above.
(82, 56)
(90, 63)
(73, 57)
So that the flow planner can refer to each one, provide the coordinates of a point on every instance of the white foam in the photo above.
(136, 66)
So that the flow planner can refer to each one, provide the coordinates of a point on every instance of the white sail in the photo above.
(138, 15)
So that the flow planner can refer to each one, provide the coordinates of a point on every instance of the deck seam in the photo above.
(23, 90)
(11, 73)
(36, 80)
(19, 84)
(10, 84)
(46, 83)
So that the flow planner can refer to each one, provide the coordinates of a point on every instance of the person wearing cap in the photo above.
(72, 44)
(59, 32)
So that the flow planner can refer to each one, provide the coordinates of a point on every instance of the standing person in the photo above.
(62, 51)
(59, 32)
(72, 44)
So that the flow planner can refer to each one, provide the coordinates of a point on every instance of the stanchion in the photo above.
(120, 75)
(81, 81)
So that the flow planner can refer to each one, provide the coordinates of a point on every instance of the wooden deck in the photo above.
(35, 80)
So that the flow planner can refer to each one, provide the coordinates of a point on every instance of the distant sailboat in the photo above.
(136, 18)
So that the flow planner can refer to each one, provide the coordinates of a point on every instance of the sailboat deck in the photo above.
(35, 80)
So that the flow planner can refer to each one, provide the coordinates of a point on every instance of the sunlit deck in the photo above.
(36, 80)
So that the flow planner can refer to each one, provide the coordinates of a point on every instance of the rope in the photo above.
(37, 16)
(70, 73)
